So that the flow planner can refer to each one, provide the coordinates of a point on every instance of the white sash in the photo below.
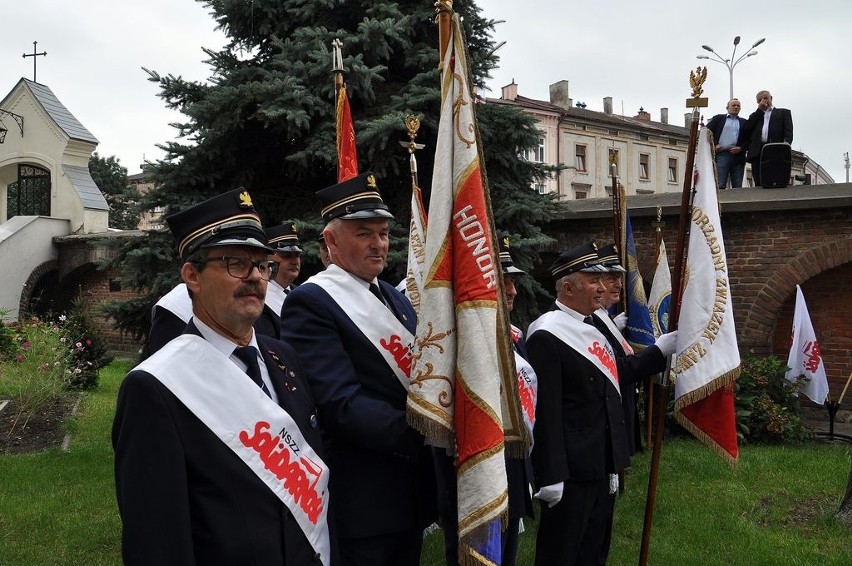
(583, 338)
(604, 316)
(275, 296)
(393, 341)
(177, 302)
(256, 428)
(527, 385)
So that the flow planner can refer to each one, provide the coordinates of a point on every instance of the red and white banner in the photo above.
(708, 361)
(805, 356)
(463, 380)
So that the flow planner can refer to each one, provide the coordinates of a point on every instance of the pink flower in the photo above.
(19, 358)
(26, 346)
(88, 342)
(79, 345)
(44, 366)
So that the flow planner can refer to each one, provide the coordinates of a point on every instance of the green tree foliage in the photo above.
(123, 199)
(266, 120)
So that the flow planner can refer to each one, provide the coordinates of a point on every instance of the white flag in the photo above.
(660, 298)
(805, 356)
(708, 361)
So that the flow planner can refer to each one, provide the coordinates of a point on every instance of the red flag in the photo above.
(347, 158)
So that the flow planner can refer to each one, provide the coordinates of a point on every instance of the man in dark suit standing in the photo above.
(218, 451)
(580, 434)
(355, 334)
(729, 133)
(767, 124)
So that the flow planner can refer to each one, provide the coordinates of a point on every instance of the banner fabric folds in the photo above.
(463, 391)
(639, 331)
(805, 356)
(347, 157)
(707, 359)
(660, 298)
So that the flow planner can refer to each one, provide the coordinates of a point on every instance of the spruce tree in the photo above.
(123, 198)
(266, 121)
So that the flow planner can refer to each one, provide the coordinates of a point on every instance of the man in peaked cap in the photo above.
(633, 368)
(580, 437)
(216, 433)
(284, 239)
(355, 333)
(171, 313)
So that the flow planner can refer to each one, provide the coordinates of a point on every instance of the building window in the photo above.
(536, 154)
(581, 190)
(672, 170)
(580, 152)
(644, 170)
(540, 188)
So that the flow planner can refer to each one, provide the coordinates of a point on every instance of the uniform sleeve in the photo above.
(348, 410)
(150, 477)
(636, 368)
(550, 464)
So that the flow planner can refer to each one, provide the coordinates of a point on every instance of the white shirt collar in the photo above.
(570, 311)
(221, 343)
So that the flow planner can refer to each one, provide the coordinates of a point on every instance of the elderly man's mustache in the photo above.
(250, 288)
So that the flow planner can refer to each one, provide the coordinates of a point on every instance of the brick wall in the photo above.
(769, 252)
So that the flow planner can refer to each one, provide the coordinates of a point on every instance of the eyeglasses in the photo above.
(241, 267)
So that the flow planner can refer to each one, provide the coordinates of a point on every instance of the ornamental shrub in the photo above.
(767, 405)
(36, 372)
(88, 352)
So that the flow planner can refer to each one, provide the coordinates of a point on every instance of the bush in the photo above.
(88, 353)
(36, 372)
(767, 404)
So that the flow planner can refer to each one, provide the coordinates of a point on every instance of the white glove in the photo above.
(613, 483)
(667, 343)
(551, 494)
(620, 321)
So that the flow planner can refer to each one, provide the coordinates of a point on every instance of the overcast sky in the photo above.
(639, 53)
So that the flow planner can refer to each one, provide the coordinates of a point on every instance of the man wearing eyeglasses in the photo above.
(354, 334)
(218, 454)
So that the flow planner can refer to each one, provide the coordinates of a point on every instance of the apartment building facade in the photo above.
(650, 155)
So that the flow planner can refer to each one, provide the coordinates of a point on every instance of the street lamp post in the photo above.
(732, 62)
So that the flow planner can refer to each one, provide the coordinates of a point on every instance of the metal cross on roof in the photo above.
(34, 55)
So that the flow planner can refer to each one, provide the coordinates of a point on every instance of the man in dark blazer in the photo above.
(730, 136)
(188, 491)
(580, 435)
(767, 124)
(354, 334)
(633, 368)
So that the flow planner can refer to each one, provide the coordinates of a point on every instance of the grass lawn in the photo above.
(775, 508)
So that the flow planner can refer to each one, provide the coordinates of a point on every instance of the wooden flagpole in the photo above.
(444, 9)
(696, 80)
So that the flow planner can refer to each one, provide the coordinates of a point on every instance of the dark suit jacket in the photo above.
(580, 432)
(717, 124)
(780, 130)
(632, 369)
(165, 326)
(184, 496)
(382, 475)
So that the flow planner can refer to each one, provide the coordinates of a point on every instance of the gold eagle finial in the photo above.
(245, 199)
(696, 80)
